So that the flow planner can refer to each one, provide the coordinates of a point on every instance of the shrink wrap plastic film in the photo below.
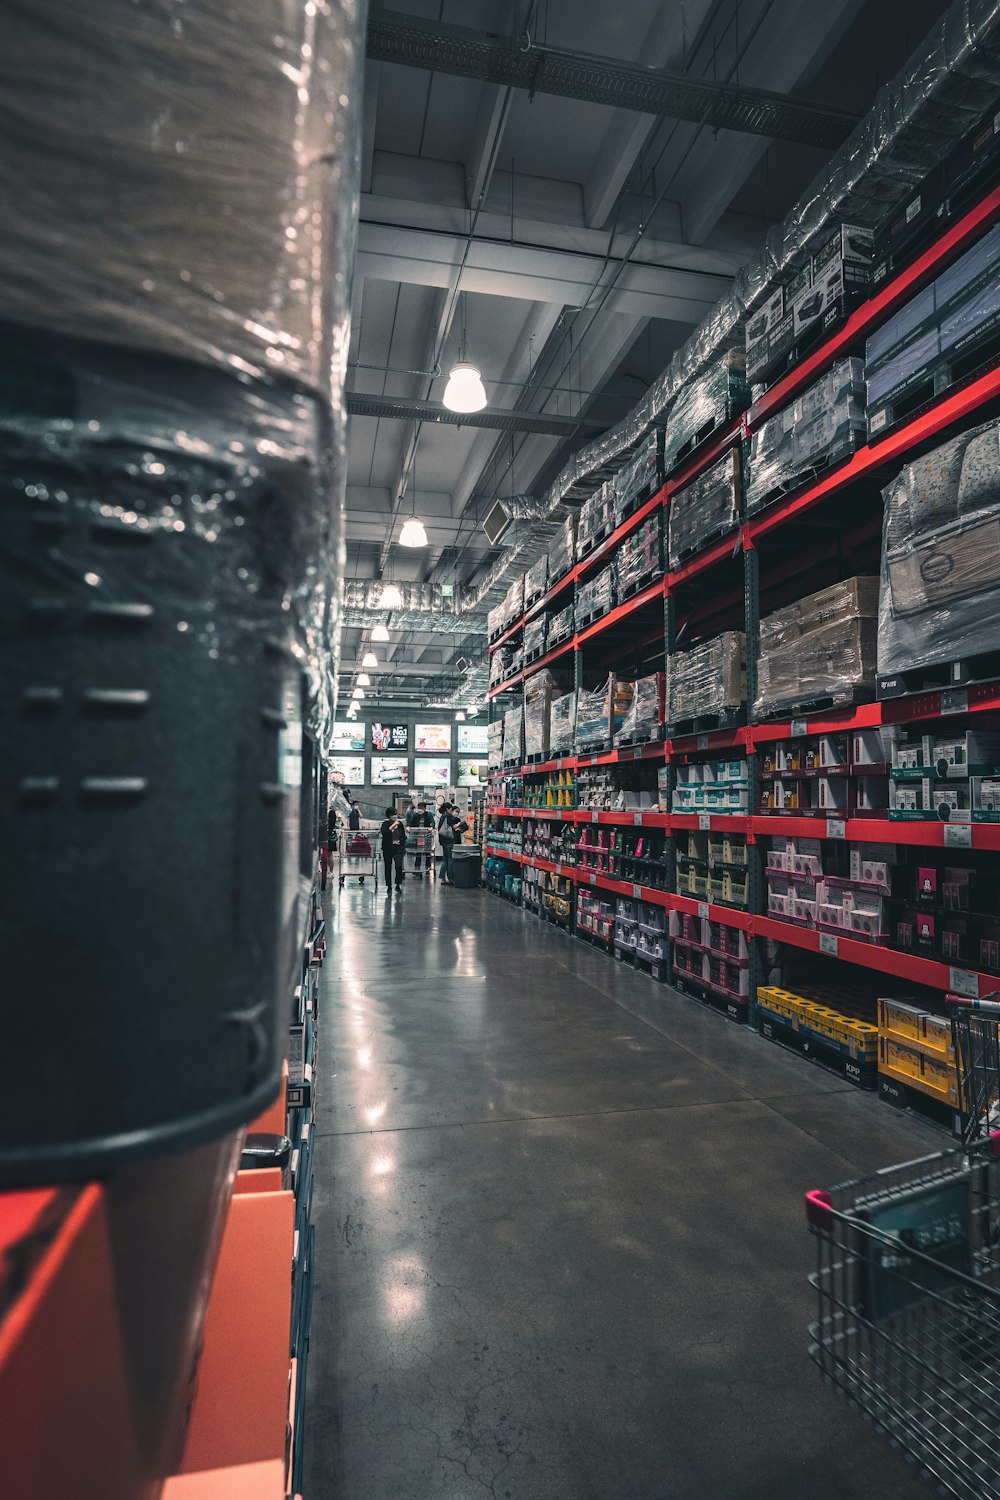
(494, 745)
(708, 679)
(597, 517)
(706, 508)
(204, 214)
(562, 550)
(644, 719)
(504, 662)
(562, 725)
(822, 425)
(719, 393)
(643, 472)
(494, 621)
(513, 604)
(822, 646)
(513, 736)
(640, 555)
(595, 596)
(937, 96)
(536, 579)
(599, 715)
(560, 626)
(939, 594)
(534, 636)
(538, 692)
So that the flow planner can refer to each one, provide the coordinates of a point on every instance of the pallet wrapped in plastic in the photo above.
(536, 580)
(560, 626)
(494, 622)
(596, 518)
(640, 477)
(513, 736)
(534, 638)
(562, 725)
(538, 693)
(601, 713)
(708, 679)
(643, 721)
(821, 647)
(562, 550)
(513, 604)
(596, 595)
(706, 508)
(494, 745)
(824, 424)
(939, 594)
(504, 662)
(703, 404)
(639, 558)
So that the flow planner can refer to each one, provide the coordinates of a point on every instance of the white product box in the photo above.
(952, 803)
(803, 911)
(831, 916)
(777, 904)
(872, 863)
(872, 793)
(831, 750)
(985, 793)
(832, 793)
(866, 748)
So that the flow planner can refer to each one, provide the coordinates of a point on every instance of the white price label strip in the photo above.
(704, 821)
(799, 728)
(703, 909)
(637, 890)
(836, 828)
(828, 944)
(958, 835)
(961, 982)
(637, 820)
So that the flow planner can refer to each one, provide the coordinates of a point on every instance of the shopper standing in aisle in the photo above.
(447, 824)
(354, 817)
(393, 846)
(419, 817)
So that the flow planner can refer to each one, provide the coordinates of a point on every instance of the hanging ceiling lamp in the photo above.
(364, 680)
(413, 533)
(358, 694)
(460, 716)
(472, 710)
(465, 390)
(390, 597)
(380, 633)
(370, 659)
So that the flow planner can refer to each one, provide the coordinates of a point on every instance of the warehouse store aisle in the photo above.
(561, 1250)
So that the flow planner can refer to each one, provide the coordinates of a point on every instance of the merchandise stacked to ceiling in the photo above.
(763, 686)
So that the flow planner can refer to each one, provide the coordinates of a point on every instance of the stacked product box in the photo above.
(915, 1048)
(562, 550)
(557, 898)
(712, 954)
(538, 693)
(595, 916)
(704, 404)
(952, 777)
(710, 679)
(643, 723)
(595, 596)
(947, 912)
(831, 887)
(821, 647)
(494, 745)
(712, 866)
(554, 790)
(536, 580)
(626, 924)
(639, 559)
(944, 332)
(600, 714)
(513, 604)
(505, 662)
(640, 857)
(535, 638)
(841, 773)
(640, 477)
(624, 788)
(596, 850)
(494, 622)
(507, 837)
(562, 725)
(939, 598)
(596, 519)
(706, 508)
(561, 626)
(840, 1032)
(712, 786)
(513, 736)
(824, 424)
(833, 281)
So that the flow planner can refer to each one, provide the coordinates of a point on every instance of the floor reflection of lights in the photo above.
(374, 1112)
(405, 1277)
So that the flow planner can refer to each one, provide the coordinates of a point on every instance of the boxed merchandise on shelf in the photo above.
(595, 915)
(596, 519)
(643, 723)
(600, 714)
(705, 403)
(947, 912)
(629, 787)
(561, 625)
(639, 559)
(595, 596)
(822, 425)
(836, 1025)
(820, 648)
(640, 477)
(833, 281)
(939, 599)
(706, 508)
(942, 333)
(536, 580)
(841, 772)
(950, 777)
(562, 725)
(494, 622)
(915, 1047)
(505, 661)
(562, 550)
(535, 633)
(494, 745)
(513, 604)
(538, 693)
(712, 786)
(513, 736)
(708, 680)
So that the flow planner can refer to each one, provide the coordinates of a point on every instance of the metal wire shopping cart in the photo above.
(975, 1035)
(357, 855)
(418, 856)
(908, 1308)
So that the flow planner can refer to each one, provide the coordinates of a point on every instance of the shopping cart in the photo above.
(357, 854)
(908, 1319)
(418, 855)
(975, 1036)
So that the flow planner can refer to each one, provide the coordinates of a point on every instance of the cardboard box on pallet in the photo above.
(823, 646)
(824, 423)
(708, 679)
(707, 507)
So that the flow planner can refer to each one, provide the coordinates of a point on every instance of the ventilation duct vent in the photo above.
(496, 523)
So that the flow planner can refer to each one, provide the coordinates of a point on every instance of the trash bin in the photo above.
(467, 861)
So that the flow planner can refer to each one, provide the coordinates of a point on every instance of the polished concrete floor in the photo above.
(561, 1249)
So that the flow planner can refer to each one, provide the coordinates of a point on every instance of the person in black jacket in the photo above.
(354, 817)
(419, 817)
(393, 846)
(447, 825)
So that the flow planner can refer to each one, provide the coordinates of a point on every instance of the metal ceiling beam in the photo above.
(499, 419)
(458, 50)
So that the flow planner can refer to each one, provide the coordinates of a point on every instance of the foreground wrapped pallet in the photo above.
(819, 648)
(710, 679)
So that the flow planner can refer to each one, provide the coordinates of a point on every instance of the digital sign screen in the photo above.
(432, 737)
(472, 772)
(348, 735)
(390, 737)
(472, 739)
(390, 770)
(429, 770)
(348, 771)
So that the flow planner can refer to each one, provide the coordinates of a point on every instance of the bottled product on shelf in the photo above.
(822, 425)
(819, 650)
(706, 508)
(708, 680)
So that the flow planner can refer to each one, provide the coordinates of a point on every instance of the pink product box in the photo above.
(778, 905)
(803, 911)
(830, 916)
(807, 864)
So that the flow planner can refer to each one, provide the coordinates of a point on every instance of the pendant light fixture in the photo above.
(459, 717)
(380, 633)
(369, 659)
(413, 533)
(364, 680)
(358, 694)
(464, 391)
(390, 597)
